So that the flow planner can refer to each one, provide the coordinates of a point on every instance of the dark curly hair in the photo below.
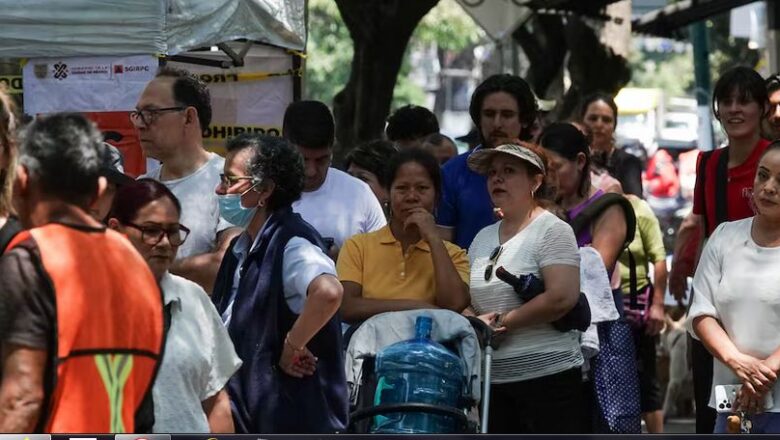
(189, 91)
(411, 122)
(276, 160)
(373, 156)
(513, 85)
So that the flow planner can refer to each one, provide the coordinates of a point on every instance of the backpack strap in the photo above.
(721, 183)
(593, 211)
(8, 232)
(598, 206)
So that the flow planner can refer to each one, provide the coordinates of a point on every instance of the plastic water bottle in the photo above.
(418, 371)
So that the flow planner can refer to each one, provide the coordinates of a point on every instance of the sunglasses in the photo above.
(493, 258)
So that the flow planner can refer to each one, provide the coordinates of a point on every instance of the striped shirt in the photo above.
(539, 350)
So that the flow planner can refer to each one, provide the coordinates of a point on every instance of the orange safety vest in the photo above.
(109, 328)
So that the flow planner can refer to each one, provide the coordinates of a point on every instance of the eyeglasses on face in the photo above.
(147, 116)
(492, 262)
(228, 181)
(151, 234)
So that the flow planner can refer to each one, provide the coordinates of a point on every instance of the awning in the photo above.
(499, 18)
(63, 28)
(670, 21)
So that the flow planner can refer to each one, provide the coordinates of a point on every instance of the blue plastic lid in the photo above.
(423, 327)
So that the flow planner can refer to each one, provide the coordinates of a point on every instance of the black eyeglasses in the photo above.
(148, 115)
(493, 258)
(152, 235)
(228, 181)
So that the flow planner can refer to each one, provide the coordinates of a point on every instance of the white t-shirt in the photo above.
(301, 264)
(540, 350)
(199, 207)
(198, 361)
(737, 283)
(342, 207)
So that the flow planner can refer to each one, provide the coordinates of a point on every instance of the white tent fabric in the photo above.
(57, 28)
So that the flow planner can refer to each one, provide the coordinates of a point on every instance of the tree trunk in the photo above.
(593, 67)
(544, 44)
(380, 30)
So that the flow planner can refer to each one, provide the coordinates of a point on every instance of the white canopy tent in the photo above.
(96, 56)
(69, 28)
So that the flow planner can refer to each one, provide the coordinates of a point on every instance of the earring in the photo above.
(261, 203)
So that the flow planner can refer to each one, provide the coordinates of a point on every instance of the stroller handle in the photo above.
(484, 333)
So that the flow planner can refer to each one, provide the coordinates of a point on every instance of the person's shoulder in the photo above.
(485, 235)
(216, 161)
(726, 232)
(342, 180)
(453, 248)
(550, 222)
(372, 238)
(456, 164)
(190, 293)
(343, 186)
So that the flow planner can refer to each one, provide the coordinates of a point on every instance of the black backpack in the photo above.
(585, 218)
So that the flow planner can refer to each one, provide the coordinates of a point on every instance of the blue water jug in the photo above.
(417, 371)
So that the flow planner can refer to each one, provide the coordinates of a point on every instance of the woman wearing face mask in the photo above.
(189, 392)
(599, 114)
(278, 295)
(735, 311)
(405, 265)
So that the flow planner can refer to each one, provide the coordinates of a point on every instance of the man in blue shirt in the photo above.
(503, 107)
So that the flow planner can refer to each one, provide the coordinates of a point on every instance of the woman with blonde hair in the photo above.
(8, 224)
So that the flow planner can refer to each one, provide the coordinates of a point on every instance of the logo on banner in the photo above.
(121, 68)
(60, 71)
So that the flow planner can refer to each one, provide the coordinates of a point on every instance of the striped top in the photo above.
(539, 350)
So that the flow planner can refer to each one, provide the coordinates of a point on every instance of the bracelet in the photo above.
(287, 342)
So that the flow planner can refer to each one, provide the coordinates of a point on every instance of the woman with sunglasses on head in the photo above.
(536, 385)
(405, 265)
(189, 391)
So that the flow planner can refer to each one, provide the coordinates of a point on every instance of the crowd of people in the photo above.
(218, 294)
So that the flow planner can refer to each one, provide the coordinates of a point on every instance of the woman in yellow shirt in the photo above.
(405, 265)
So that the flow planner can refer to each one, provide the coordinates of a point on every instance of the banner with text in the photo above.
(248, 99)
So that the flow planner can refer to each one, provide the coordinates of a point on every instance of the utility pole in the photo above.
(701, 67)
(773, 35)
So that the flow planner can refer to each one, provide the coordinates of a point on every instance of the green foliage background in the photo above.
(330, 48)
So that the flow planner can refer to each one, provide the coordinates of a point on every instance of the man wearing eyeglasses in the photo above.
(81, 314)
(170, 117)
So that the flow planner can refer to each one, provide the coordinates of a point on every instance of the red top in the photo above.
(739, 190)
